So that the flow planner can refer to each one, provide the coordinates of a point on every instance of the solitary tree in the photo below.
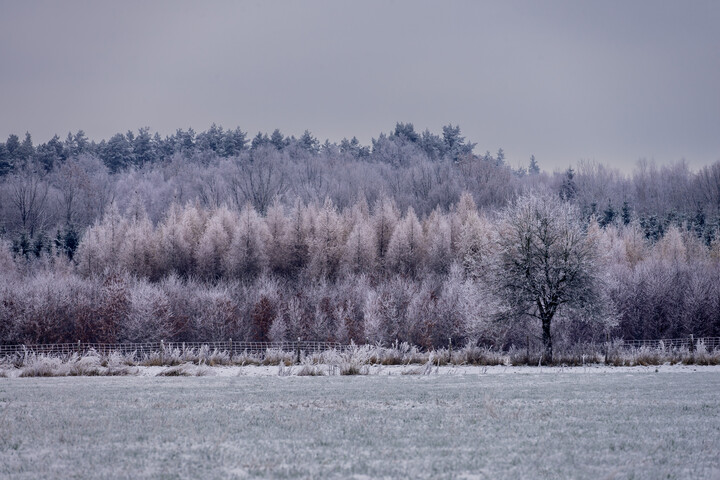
(547, 263)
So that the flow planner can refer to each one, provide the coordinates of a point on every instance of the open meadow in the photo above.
(530, 423)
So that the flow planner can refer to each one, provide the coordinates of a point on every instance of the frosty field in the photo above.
(628, 423)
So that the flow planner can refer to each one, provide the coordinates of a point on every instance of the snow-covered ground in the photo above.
(392, 370)
(456, 422)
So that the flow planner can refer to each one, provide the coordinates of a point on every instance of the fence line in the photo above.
(690, 343)
(150, 348)
(261, 348)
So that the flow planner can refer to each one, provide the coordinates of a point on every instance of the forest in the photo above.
(414, 238)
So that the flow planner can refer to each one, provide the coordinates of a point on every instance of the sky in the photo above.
(607, 81)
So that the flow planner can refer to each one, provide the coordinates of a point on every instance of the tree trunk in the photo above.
(547, 341)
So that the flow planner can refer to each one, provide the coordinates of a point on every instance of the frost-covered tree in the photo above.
(671, 248)
(326, 243)
(476, 245)
(175, 244)
(297, 236)
(214, 244)
(138, 252)
(246, 257)
(360, 253)
(261, 177)
(439, 242)
(546, 263)
(217, 315)
(533, 168)
(100, 247)
(279, 331)
(275, 247)
(150, 317)
(385, 218)
(28, 195)
(406, 250)
(288, 325)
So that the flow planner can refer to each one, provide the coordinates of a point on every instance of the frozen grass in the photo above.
(90, 364)
(626, 424)
(354, 360)
(186, 370)
(651, 356)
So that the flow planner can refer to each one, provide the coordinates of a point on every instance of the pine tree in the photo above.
(533, 168)
(626, 214)
(278, 140)
(309, 143)
(608, 216)
(500, 158)
(568, 188)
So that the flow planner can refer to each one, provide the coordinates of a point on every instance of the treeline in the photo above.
(366, 272)
(136, 150)
(54, 191)
(214, 236)
(42, 200)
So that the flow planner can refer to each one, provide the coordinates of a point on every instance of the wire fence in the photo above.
(689, 343)
(140, 350)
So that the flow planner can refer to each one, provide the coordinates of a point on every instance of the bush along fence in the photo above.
(142, 351)
(617, 352)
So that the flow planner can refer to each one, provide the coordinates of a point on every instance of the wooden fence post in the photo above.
(297, 351)
(607, 346)
(527, 349)
(449, 350)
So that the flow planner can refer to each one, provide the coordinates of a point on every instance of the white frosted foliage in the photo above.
(246, 257)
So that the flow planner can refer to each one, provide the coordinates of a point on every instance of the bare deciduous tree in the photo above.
(547, 263)
(260, 179)
(28, 194)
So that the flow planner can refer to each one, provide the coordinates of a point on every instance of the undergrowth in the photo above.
(352, 360)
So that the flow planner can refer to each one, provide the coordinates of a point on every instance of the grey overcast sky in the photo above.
(612, 81)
